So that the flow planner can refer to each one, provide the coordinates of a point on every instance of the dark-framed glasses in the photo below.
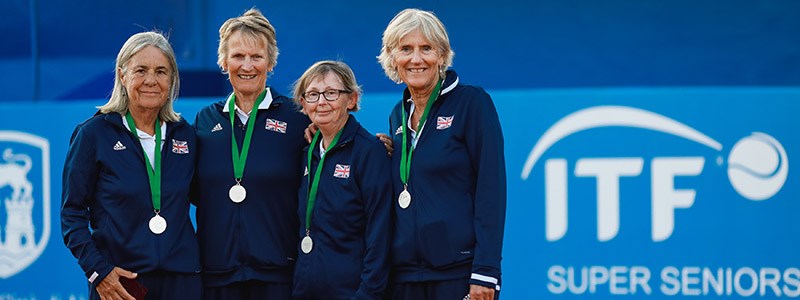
(330, 95)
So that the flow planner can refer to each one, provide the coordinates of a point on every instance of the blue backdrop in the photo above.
(66, 50)
(694, 186)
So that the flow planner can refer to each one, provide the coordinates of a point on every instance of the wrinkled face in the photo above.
(247, 64)
(147, 78)
(418, 61)
(324, 112)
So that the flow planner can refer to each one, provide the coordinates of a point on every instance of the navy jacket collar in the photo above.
(116, 120)
(277, 100)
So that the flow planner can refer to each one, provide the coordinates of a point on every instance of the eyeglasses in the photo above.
(330, 95)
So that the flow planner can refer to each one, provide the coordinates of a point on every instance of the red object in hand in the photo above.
(133, 287)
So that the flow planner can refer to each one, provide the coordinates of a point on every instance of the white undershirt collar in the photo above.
(149, 141)
(244, 116)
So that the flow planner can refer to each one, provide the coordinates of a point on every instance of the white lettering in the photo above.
(728, 281)
(689, 277)
(640, 276)
(670, 285)
(597, 276)
(571, 279)
(617, 276)
(710, 280)
(557, 284)
(621, 280)
(769, 277)
(555, 181)
(665, 198)
(608, 171)
(737, 282)
(792, 279)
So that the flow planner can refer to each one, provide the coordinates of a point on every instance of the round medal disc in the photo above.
(158, 224)
(405, 199)
(237, 193)
(306, 244)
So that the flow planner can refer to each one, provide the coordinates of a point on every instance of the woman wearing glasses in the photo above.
(344, 198)
(246, 204)
(449, 203)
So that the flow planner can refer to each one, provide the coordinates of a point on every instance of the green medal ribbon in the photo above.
(239, 158)
(153, 174)
(405, 158)
(312, 192)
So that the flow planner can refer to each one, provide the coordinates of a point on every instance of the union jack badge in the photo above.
(444, 122)
(275, 125)
(341, 171)
(180, 147)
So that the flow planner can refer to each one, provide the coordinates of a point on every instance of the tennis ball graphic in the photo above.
(757, 166)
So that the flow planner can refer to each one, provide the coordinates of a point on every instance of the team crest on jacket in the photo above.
(275, 125)
(24, 186)
(341, 171)
(180, 147)
(444, 122)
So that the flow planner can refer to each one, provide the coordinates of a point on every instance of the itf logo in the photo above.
(22, 199)
(757, 169)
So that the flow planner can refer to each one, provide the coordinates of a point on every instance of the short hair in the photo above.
(120, 100)
(253, 25)
(405, 22)
(322, 68)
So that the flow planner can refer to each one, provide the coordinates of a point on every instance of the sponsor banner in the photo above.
(652, 193)
(612, 193)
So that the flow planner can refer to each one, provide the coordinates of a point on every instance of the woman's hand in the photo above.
(309, 132)
(479, 292)
(111, 289)
(387, 142)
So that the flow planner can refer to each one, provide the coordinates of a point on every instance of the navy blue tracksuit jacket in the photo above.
(106, 188)
(454, 226)
(254, 239)
(350, 220)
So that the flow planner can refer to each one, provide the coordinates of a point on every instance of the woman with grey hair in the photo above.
(449, 204)
(344, 198)
(125, 211)
(247, 204)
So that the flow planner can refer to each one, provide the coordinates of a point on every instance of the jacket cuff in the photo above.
(485, 276)
(96, 276)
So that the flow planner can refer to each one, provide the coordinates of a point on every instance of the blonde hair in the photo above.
(405, 22)
(253, 25)
(119, 100)
(322, 68)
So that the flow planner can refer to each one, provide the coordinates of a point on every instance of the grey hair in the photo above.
(119, 101)
(405, 22)
(253, 25)
(322, 68)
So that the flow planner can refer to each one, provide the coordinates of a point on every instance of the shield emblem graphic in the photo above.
(24, 200)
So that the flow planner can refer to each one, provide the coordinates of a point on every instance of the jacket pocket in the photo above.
(444, 246)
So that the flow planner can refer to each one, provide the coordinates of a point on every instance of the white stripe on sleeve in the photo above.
(93, 277)
(485, 278)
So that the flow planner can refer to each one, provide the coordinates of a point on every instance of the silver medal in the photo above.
(237, 193)
(405, 199)
(158, 224)
(306, 245)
